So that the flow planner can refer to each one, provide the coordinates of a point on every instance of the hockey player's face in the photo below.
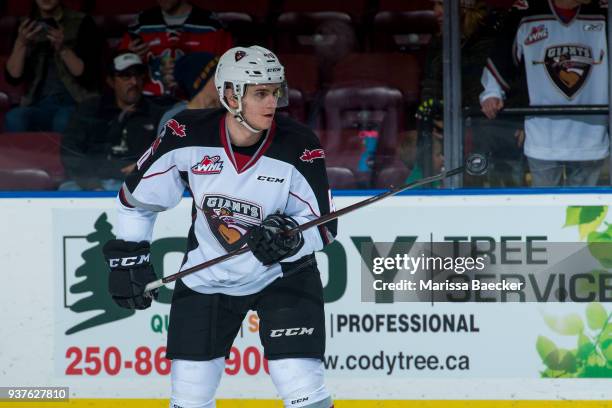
(259, 104)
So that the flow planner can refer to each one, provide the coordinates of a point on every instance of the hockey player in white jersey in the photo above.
(562, 47)
(252, 174)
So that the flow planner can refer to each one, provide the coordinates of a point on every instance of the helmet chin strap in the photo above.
(241, 119)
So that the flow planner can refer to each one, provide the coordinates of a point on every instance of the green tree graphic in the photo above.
(95, 272)
(592, 356)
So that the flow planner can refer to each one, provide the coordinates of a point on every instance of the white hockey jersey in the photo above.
(230, 195)
(566, 63)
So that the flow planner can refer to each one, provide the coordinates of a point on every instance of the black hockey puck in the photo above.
(476, 164)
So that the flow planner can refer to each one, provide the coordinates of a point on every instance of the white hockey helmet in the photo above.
(243, 66)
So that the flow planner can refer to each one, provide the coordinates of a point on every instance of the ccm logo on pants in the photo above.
(295, 331)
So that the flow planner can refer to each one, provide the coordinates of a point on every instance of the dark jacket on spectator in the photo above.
(80, 35)
(101, 139)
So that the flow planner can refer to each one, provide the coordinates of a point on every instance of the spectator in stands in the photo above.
(561, 47)
(56, 53)
(107, 134)
(478, 28)
(194, 75)
(163, 34)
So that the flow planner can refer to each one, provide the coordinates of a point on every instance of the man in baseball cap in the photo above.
(108, 133)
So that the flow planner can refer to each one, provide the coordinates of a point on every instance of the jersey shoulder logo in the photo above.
(568, 66)
(176, 128)
(310, 155)
(229, 219)
(537, 33)
(208, 165)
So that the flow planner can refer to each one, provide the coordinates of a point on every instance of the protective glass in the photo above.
(281, 93)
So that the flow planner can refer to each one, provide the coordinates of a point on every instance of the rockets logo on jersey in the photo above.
(538, 33)
(568, 66)
(229, 219)
(176, 128)
(310, 155)
(208, 165)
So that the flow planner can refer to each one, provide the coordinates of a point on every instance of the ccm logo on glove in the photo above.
(129, 261)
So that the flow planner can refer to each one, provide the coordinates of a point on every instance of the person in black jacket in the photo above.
(56, 53)
(108, 133)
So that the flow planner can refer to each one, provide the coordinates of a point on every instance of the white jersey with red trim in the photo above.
(566, 63)
(231, 193)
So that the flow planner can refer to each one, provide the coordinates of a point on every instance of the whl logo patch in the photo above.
(208, 165)
(538, 33)
(229, 219)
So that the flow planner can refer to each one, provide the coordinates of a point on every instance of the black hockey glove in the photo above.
(130, 271)
(269, 244)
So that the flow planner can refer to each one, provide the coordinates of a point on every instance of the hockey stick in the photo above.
(476, 164)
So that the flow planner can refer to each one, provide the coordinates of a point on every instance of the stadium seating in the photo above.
(397, 70)
(297, 106)
(25, 179)
(27, 156)
(296, 32)
(115, 8)
(258, 9)
(302, 72)
(404, 5)
(404, 31)
(341, 178)
(354, 8)
(391, 176)
(349, 112)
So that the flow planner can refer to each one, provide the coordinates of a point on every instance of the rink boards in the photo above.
(61, 329)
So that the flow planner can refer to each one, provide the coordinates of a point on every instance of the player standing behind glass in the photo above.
(252, 175)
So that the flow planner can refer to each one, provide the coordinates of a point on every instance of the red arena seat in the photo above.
(297, 32)
(404, 31)
(341, 178)
(32, 150)
(396, 70)
(258, 9)
(362, 125)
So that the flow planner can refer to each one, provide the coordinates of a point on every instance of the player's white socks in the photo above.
(194, 383)
(300, 383)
